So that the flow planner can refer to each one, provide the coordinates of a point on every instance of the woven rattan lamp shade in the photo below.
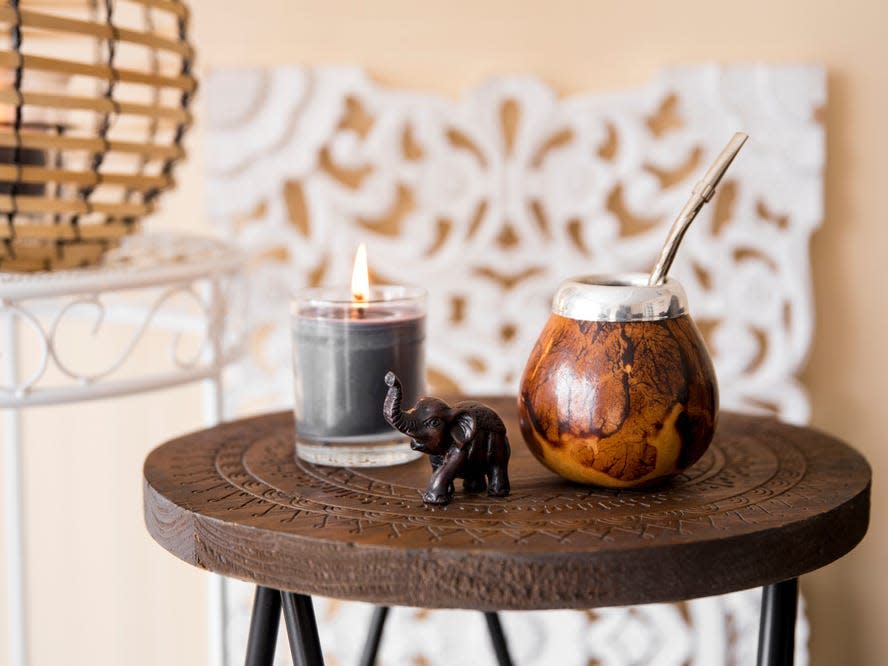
(93, 108)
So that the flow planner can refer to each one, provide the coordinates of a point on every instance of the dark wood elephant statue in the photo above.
(467, 441)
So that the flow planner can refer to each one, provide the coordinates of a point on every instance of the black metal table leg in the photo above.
(777, 624)
(302, 630)
(263, 627)
(374, 636)
(498, 638)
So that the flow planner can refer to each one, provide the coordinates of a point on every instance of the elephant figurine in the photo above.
(466, 441)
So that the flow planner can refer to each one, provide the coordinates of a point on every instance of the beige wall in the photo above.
(94, 568)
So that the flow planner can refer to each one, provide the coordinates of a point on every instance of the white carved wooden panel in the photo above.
(489, 201)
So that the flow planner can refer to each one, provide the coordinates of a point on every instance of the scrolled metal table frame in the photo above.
(35, 307)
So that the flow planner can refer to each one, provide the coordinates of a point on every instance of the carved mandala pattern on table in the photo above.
(741, 482)
(492, 199)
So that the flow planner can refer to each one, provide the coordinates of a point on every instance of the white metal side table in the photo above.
(187, 287)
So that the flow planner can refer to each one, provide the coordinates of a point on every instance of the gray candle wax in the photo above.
(341, 353)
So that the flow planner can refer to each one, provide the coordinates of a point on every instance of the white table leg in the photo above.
(13, 508)
(214, 412)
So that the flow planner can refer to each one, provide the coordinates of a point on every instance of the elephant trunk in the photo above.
(391, 409)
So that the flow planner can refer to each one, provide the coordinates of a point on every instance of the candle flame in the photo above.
(360, 285)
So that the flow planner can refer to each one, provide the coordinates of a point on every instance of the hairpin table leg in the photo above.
(777, 623)
(498, 638)
(374, 636)
(263, 627)
(302, 630)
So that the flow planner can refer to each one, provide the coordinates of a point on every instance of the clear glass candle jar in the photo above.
(342, 350)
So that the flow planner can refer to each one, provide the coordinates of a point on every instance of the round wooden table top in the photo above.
(767, 502)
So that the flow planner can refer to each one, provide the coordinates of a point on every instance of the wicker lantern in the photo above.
(93, 108)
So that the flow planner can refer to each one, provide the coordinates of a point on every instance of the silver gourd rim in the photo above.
(619, 297)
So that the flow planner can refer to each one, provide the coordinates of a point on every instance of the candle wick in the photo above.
(358, 312)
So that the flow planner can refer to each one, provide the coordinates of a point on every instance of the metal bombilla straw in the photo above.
(701, 195)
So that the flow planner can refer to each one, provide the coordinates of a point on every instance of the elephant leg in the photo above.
(498, 472)
(437, 461)
(474, 484)
(440, 488)
(499, 482)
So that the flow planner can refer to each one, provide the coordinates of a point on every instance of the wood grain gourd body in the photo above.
(618, 404)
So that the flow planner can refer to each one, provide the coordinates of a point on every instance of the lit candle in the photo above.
(344, 342)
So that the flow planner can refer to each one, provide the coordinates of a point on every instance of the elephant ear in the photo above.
(462, 428)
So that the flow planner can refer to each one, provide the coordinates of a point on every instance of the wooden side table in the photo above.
(767, 503)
